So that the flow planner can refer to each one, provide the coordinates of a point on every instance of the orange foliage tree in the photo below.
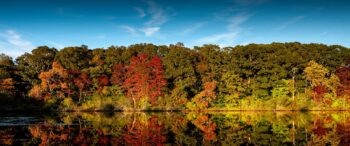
(52, 83)
(7, 86)
(203, 99)
(204, 124)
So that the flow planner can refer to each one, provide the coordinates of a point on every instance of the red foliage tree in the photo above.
(144, 78)
(137, 78)
(82, 82)
(343, 74)
(118, 74)
(207, 95)
(102, 81)
(319, 92)
(157, 81)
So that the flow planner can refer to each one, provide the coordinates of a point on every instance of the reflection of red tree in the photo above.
(50, 134)
(134, 135)
(204, 124)
(343, 131)
(145, 134)
(138, 133)
(319, 128)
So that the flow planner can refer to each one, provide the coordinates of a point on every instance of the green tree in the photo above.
(32, 64)
(231, 87)
(73, 57)
(181, 74)
(6, 65)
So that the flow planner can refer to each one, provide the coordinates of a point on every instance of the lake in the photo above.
(177, 128)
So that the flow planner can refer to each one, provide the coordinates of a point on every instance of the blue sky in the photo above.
(25, 24)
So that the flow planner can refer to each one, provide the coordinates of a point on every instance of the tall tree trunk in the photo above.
(134, 102)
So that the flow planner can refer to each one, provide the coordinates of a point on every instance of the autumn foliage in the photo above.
(52, 83)
(82, 82)
(7, 85)
(144, 78)
(344, 76)
(118, 74)
(203, 99)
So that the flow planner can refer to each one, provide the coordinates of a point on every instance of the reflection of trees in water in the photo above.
(149, 133)
(184, 129)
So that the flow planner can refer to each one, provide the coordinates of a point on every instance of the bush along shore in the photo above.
(147, 77)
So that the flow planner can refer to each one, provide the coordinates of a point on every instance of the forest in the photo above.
(276, 76)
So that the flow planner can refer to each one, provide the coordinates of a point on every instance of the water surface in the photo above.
(177, 128)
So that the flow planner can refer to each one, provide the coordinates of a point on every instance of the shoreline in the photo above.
(53, 111)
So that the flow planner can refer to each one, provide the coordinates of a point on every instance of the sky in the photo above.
(26, 24)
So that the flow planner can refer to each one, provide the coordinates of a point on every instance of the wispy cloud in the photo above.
(157, 14)
(146, 31)
(140, 11)
(233, 29)
(236, 20)
(56, 45)
(223, 39)
(16, 40)
(150, 31)
(13, 43)
(132, 31)
(192, 28)
(290, 22)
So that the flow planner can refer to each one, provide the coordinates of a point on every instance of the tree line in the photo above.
(146, 76)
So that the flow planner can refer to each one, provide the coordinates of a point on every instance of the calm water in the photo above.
(223, 128)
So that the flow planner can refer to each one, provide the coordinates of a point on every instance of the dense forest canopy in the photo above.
(147, 76)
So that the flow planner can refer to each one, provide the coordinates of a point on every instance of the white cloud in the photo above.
(16, 40)
(150, 31)
(289, 22)
(13, 44)
(147, 31)
(155, 17)
(140, 11)
(132, 31)
(233, 30)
